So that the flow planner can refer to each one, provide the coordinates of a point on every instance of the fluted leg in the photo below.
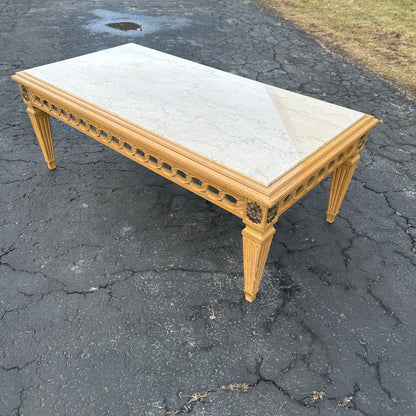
(256, 246)
(341, 178)
(42, 126)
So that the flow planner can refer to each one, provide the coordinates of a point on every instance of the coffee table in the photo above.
(251, 148)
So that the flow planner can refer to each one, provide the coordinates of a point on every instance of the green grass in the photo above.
(380, 34)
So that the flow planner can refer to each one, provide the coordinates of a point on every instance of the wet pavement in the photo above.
(121, 293)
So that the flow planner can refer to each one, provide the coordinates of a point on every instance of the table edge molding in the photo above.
(200, 173)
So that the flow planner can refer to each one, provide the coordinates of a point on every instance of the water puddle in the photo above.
(134, 25)
(125, 26)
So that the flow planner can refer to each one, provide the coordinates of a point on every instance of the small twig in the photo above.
(197, 397)
(211, 310)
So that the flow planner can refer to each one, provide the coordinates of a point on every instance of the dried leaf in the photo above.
(318, 395)
(344, 402)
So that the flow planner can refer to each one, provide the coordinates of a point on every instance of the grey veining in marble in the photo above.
(257, 130)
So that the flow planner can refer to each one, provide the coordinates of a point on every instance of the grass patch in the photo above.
(380, 34)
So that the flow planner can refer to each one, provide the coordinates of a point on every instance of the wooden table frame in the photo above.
(257, 205)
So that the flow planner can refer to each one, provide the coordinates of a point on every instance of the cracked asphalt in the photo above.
(122, 294)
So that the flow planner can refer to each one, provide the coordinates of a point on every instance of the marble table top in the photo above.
(254, 129)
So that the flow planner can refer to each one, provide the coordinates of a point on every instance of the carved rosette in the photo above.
(25, 93)
(271, 214)
(254, 212)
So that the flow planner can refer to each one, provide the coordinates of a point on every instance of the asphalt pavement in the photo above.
(122, 293)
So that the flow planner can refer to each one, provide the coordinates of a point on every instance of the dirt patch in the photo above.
(381, 38)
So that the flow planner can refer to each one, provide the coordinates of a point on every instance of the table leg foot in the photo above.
(341, 178)
(42, 126)
(256, 246)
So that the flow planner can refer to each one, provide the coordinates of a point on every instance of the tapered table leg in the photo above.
(42, 126)
(256, 246)
(341, 178)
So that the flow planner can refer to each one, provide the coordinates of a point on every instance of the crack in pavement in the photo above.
(19, 407)
(303, 339)
(309, 401)
(376, 366)
(198, 397)
(93, 289)
(388, 311)
(18, 367)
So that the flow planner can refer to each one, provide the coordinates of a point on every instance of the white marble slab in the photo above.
(252, 128)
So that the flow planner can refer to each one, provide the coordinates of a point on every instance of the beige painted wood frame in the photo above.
(257, 205)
